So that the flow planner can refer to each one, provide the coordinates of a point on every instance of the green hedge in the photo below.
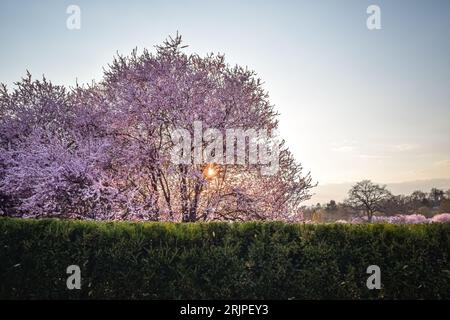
(221, 261)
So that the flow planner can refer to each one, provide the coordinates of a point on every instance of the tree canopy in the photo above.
(102, 151)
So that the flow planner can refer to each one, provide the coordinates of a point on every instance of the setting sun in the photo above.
(210, 172)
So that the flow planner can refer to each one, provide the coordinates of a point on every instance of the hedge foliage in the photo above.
(221, 260)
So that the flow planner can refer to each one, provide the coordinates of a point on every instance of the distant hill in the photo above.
(338, 191)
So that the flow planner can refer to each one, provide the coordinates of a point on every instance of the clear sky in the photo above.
(353, 103)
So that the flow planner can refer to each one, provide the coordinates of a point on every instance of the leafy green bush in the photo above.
(221, 261)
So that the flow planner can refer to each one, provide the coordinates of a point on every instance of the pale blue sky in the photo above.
(354, 103)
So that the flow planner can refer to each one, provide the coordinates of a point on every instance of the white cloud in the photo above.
(343, 146)
(443, 163)
(373, 156)
(343, 149)
(405, 147)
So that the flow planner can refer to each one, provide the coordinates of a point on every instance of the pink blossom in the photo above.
(103, 151)
(415, 218)
(443, 217)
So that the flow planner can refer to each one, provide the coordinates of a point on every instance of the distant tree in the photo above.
(425, 211)
(436, 195)
(419, 199)
(445, 206)
(418, 195)
(447, 194)
(331, 206)
(318, 216)
(400, 204)
(368, 197)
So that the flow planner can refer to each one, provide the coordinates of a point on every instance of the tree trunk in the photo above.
(184, 195)
(369, 216)
(194, 203)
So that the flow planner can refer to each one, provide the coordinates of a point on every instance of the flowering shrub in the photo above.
(415, 218)
(443, 217)
(402, 219)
